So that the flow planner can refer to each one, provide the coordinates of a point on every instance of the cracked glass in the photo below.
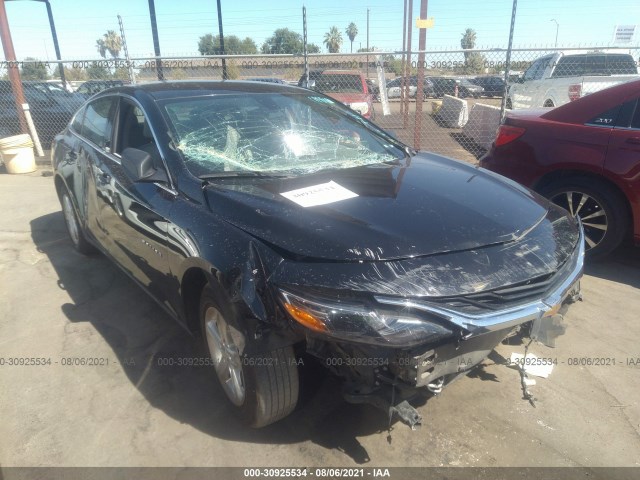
(292, 134)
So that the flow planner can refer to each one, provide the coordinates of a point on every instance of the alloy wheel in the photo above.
(225, 354)
(593, 216)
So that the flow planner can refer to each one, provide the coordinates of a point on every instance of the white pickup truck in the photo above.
(561, 77)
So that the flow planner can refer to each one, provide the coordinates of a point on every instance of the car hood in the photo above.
(422, 206)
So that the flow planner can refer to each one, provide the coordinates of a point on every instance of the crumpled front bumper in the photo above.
(485, 331)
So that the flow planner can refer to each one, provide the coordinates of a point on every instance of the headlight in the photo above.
(361, 107)
(358, 322)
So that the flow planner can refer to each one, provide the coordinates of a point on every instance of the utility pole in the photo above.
(422, 44)
(12, 68)
(56, 47)
(304, 46)
(404, 57)
(557, 28)
(156, 42)
(367, 43)
(132, 76)
(224, 63)
(507, 65)
(409, 35)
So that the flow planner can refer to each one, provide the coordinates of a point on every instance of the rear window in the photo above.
(337, 83)
(595, 65)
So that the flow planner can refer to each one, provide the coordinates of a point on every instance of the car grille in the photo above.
(501, 298)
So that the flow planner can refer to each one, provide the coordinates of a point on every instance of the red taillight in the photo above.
(507, 134)
(575, 91)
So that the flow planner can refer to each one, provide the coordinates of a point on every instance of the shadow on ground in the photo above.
(622, 266)
(143, 337)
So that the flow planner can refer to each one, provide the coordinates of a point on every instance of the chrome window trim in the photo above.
(503, 319)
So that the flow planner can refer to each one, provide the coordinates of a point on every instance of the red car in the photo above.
(584, 156)
(349, 87)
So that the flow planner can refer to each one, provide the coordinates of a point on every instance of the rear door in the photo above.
(94, 131)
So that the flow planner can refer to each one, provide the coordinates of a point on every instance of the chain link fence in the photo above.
(449, 102)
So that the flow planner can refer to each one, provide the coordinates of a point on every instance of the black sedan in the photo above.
(275, 222)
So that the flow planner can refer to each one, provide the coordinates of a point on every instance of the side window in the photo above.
(627, 114)
(76, 125)
(606, 119)
(635, 121)
(570, 66)
(135, 132)
(97, 124)
(531, 72)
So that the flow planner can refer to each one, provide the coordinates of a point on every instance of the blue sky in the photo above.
(181, 23)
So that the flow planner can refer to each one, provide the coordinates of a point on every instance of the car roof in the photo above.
(584, 109)
(186, 88)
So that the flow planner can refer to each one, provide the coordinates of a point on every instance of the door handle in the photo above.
(634, 140)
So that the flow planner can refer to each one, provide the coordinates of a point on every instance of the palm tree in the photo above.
(351, 32)
(468, 40)
(110, 42)
(333, 40)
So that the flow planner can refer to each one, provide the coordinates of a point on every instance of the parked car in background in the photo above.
(492, 86)
(274, 222)
(466, 88)
(583, 156)
(51, 108)
(91, 87)
(450, 86)
(347, 86)
(394, 88)
(562, 77)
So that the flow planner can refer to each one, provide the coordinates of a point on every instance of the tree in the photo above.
(333, 40)
(210, 45)
(351, 32)
(34, 69)
(75, 74)
(473, 61)
(283, 40)
(110, 42)
(313, 48)
(96, 71)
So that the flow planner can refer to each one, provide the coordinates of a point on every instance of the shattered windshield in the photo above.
(272, 132)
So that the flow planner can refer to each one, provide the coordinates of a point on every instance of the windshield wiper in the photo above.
(240, 174)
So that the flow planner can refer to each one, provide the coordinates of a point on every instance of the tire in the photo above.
(74, 228)
(508, 104)
(602, 209)
(262, 389)
(548, 104)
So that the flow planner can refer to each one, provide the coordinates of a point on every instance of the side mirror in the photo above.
(138, 166)
(309, 84)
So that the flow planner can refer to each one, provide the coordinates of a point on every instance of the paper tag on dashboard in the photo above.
(319, 194)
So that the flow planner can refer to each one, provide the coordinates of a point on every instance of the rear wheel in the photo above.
(601, 209)
(262, 388)
(549, 104)
(74, 228)
(509, 105)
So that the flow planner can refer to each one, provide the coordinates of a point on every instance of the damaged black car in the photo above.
(274, 222)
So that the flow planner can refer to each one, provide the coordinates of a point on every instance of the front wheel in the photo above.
(261, 388)
(601, 209)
